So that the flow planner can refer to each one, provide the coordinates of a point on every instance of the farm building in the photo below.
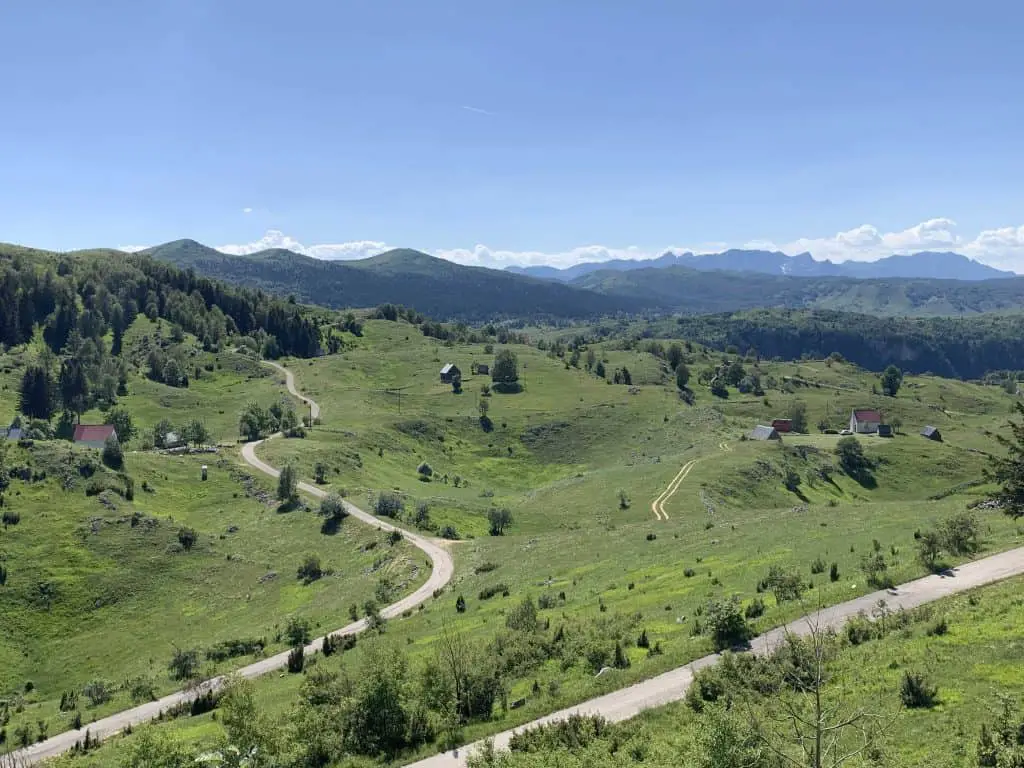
(782, 425)
(865, 421)
(763, 432)
(482, 369)
(884, 430)
(10, 433)
(449, 373)
(93, 435)
(932, 433)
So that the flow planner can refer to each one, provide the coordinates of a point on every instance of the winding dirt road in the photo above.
(441, 574)
(671, 686)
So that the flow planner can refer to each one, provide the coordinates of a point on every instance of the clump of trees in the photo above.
(256, 422)
(505, 372)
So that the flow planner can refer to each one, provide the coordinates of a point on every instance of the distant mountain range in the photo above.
(926, 264)
(672, 283)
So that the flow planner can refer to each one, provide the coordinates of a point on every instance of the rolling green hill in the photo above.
(434, 286)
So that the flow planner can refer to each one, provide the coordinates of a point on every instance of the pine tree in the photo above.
(1009, 472)
(36, 396)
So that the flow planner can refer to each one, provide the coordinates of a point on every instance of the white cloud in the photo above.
(132, 248)
(868, 243)
(1000, 247)
(247, 210)
(477, 110)
(273, 238)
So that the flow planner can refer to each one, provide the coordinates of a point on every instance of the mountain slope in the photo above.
(694, 291)
(926, 264)
(439, 288)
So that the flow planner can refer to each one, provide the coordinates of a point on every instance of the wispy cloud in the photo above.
(247, 210)
(478, 110)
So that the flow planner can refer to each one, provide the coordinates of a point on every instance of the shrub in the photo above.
(495, 589)
(652, 536)
(113, 455)
(689, 573)
(916, 692)
(389, 505)
(785, 585)
(187, 538)
(623, 499)
(425, 471)
(10, 517)
(940, 627)
(485, 568)
(726, 623)
(297, 632)
(449, 532)
(184, 665)
(296, 659)
(818, 566)
(754, 609)
(97, 692)
(460, 604)
(833, 572)
(333, 508)
(310, 570)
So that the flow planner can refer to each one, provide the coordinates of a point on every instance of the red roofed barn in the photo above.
(865, 422)
(94, 435)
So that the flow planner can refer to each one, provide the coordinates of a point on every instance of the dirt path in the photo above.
(671, 686)
(658, 505)
(441, 573)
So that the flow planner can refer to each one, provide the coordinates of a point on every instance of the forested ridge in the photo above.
(96, 292)
(947, 346)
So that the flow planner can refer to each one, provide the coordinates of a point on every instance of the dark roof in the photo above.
(762, 432)
(93, 433)
(449, 367)
(930, 431)
(885, 430)
(867, 414)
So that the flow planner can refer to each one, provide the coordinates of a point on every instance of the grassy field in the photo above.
(561, 450)
(578, 462)
(99, 587)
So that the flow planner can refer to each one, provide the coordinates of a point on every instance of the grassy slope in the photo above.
(133, 590)
(576, 441)
(570, 534)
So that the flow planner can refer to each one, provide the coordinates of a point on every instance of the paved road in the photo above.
(441, 574)
(671, 686)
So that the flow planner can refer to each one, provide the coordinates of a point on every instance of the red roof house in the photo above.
(865, 421)
(782, 425)
(94, 435)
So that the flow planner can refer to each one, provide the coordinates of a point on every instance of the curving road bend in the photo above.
(671, 686)
(441, 573)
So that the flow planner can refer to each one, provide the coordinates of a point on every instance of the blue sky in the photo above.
(516, 132)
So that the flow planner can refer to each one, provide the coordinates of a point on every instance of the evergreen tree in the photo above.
(74, 387)
(1009, 472)
(37, 394)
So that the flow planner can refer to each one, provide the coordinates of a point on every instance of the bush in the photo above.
(296, 659)
(485, 568)
(184, 665)
(833, 572)
(389, 505)
(818, 566)
(754, 609)
(332, 507)
(449, 532)
(689, 573)
(425, 471)
(98, 692)
(499, 520)
(113, 455)
(916, 692)
(495, 589)
(310, 570)
(460, 604)
(726, 623)
(187, 537)
(298, 632)
(10, 517)
(785, 585)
